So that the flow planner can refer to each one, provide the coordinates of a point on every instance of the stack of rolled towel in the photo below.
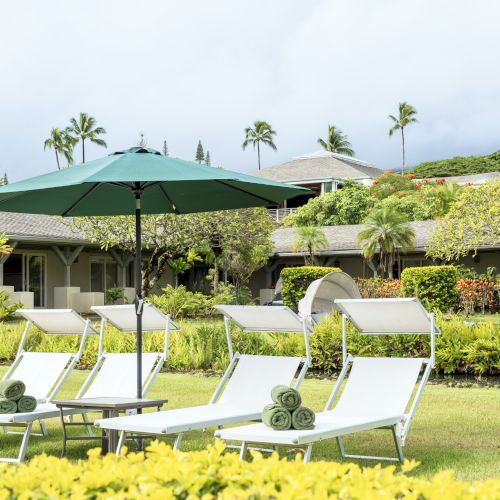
(286, 411)
(12, 398)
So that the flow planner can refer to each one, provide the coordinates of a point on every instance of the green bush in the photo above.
(461, 347)
(459, 165)
(297, 279)
(435, 286)
(7, 309)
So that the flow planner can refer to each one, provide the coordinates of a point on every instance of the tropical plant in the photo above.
(62, 143)
(114, 295)
(310, 240)
(178, 266)
(473, 221)
(336, 142)
(5, 248)
(85, 128)
(349, 205)
(406, 116)
(261, 132)
(200, 155)
(7, 308)
(390, 183)
(386, 232)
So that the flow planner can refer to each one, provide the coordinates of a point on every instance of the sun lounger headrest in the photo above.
(383, 316)
(57, 321)
(124, 319)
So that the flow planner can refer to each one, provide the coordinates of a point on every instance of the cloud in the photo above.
(184, 71)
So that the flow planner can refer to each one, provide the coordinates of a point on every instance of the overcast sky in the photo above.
(189, 70)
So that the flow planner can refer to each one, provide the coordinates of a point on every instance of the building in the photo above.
(54, 266)
(344, 251)
(321, 172)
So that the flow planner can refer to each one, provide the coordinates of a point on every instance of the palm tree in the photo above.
(262, 132)
(310, 239)
(84, 128)
(336, 142)
(386, 231)
(406, 116)
(62, 143)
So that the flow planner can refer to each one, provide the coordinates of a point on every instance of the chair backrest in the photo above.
(378, 387)
(115, 375)
(40, 371)
(253, 378)
(44, 372)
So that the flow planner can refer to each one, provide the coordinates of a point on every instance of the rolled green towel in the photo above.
(26, 404)
(277, 417)
(7, 406)
(303, 418)
(286, 396)
(11, 389)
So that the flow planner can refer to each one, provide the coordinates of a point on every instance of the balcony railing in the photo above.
(278, 214)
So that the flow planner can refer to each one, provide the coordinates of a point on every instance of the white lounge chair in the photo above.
(114, 374)
(245, 387)
(377, 393)
(43, 373)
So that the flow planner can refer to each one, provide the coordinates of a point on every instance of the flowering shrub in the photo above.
(477, 294)
(211, 473)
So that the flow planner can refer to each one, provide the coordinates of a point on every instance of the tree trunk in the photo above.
(403, 143)
(83, 150)
(216, 275)
(258, 152)
(57, 160)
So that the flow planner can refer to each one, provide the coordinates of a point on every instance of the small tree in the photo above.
(310, 240)
(165, 148)
(200, 156)
(262, 132)
(386, 232)
(473, 221)
(405, 117)
(207, 158)
(336, 142)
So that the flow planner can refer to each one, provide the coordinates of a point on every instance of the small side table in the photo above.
(110, 407)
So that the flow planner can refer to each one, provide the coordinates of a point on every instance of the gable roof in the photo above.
(39, 228)
(319, 166)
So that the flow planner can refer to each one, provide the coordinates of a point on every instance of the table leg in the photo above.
(112, 434)
(105, 435)
(63, 451)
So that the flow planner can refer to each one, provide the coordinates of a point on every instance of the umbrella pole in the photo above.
(138, 289)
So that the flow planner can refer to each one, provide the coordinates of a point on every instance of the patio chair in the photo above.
(43, 373)
(243, 390)
(114, 374)
(378, 392)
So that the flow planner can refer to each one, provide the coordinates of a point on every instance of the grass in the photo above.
(454, 428)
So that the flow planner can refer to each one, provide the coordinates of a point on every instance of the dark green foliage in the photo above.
(207, 158)
(200, 155)
(459, 165)
(349, 205)
(297, 279)
(435, 286)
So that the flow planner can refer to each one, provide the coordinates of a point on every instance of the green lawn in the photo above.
(454, 428)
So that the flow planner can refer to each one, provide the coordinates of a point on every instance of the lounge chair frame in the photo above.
(25, 422)
(300, 325)
(400, 428)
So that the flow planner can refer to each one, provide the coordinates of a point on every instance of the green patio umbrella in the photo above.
(140, 181)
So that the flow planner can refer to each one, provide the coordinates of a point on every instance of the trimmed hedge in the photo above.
(435, 286)
(297, 279)
(213, 473)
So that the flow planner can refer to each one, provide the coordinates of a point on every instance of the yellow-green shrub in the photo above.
(211, 473)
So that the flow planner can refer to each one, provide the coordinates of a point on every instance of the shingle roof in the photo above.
(344, 239)
(38, 228)
(321, 165)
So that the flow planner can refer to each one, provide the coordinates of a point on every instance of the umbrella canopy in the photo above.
(140, 181)
(166, 185)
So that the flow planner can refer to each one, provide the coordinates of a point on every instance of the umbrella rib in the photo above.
(172, 206)
(66, 212)
(272, 202)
